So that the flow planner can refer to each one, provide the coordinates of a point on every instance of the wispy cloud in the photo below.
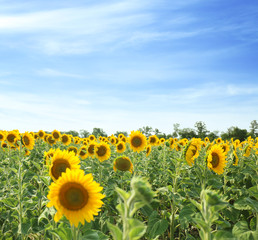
(55, 73)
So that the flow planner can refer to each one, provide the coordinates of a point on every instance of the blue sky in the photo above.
(122, 65)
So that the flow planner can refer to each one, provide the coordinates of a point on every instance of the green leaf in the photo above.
(25, 228)
(94, 235)
(185, 215)
(156, 225)
(221, 234)
(137, 229)
(10, 202)
(115, 231)
(242, 232)
(123, 194)
(62, 232)
(242, 204)
(253, 191)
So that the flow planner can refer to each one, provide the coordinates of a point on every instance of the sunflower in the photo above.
(4, 145)
(247, 150)
(12, 137)
(92, 137)
(2, 136)
(216, 159)
(77, 140)
(56, 135)
(137, 141)
(148, 150)
(73, 149)
(76, 196)
(27, 152)
(113, 140)
(65, 139)
(206, 140)
(83, 152)
(120, 135)
(50, 140)
(153, 140)
(171, 143)
(162, 140)
(28, 140)
(49, 154)
(120, 147)
(41, 134)
(225, 147)
(219, 140)
(191, 151)
(102, 151)
(91, 149)
(123, 164)
(61, 161)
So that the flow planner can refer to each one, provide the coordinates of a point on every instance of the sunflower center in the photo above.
(41, 134)
(26, 140)
(91, 149)
(148, 150)
(136, 141)
(120, 146)
(64, 139)
(73, 196)
(1, 137)
(4, 145)
(123, 164)
(59, 166)
(82, 152)
(153, 140)
(101, 151)
(215, 160)
(55, 135)
(51, 140)
(72, 149)
(10, 138)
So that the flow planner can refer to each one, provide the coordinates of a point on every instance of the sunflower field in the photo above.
(56, 186)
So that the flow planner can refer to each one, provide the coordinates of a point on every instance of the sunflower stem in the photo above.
(20, 191)
(74, 232)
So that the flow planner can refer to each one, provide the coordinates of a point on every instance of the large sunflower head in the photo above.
(102, 151)
(12, 137)
(76, 196)
(28, 140)
(191, 151)
(66, 139)
(120, 147)
(61, 161)
(123, 164)
(73, 149)
(137, 141)
(56, 135)
(216, 159)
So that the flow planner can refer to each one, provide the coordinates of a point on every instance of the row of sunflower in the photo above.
(181, 166)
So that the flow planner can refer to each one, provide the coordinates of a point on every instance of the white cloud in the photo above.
(55, 73)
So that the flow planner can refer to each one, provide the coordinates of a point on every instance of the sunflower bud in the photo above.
(142, 190)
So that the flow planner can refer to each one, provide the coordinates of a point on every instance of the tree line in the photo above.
(199, 131)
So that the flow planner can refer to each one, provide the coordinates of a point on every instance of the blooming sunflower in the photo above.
(216, 159)
(247, 150)
(61, 161)
(137, 141)
(4, 145)
(76, 196)
(56, 135)
(73, 149)
(83, 152)
(123, 164)
(219, 140)
(50, 140)
(172, 143)
(41, 134)
(2, 136)
(113, 140)
(102, 151)
(206, 140)
(191, 151)
(92, 137)
(148, 150)
(162, 140)
(153, 140)
(12, 137)
(120, 147)
(225, 147)
(91, 149)
(65, 139)
(28, 140)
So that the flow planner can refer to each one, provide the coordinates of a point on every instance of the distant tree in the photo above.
(176, 126)
(201, 129)
(254, 128)
(123, 132)
(213, 135)
(84, 133)
(187, 133)
(73, 133)
(147, 131)
(157, 132)
(235, 133)
(98, 132)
